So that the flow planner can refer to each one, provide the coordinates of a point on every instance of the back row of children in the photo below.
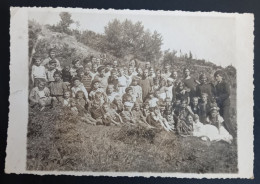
(136, 96)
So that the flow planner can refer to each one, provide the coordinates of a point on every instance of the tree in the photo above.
(65, 22)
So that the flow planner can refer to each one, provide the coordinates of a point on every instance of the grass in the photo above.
(57, 140)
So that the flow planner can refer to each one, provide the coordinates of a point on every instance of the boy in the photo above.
(128, 93)
(96, 88)
(127, 115)
(110, 116)
(78, 86)
(50, 71)
(57, 87)
(87, 79)
(75, 66)
(38, 71)
(204, 108)
(66, 76)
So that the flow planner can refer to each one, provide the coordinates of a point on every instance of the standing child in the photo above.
(75, 66)
(87, 79)
(66, 76)
(122, 81)
(195, 105)
(38, 71)
(204, 108)
(137, 90)
(58, 87)
(50, 71)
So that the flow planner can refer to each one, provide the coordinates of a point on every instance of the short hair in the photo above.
(186, 68)
(219, 72)
(51, 50)
(75, 78)
(75, 61)
(78, 93)
(57, 72)
(204, 94)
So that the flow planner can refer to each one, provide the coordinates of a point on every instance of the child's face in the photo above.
(41, 85)
(129, 92)
(121, 71)
(190, 119)
(77, 64)
(156, 82)
(94, 68)
(132, 63)
(110, 89)
(163, 83)
(38, 62)
(157, 111)
(178, 102)
(67, 95)
(76, 83)
(57, 77)
(146, 106)
(134, 82)
(151, 71)
(52, 66)
(218, 78)
(183, 104)
(187, 72)
(52, 54)
(128, 99)
(67, 68)
(81, 74)
(98, 97)
(140, 71)
(168, 101)
(130, 71)
(114, 74)
(80, 96)
(147, 65)
(137, 108)
(195, 101)
(204, 98)
(174, 74)
(106, 108)
(87, 71)
(146, 73)
(114, 64)
(118, 101)
(96, 85)
(102, 72)
(72, 103)
(158, 73)
(169, 117)
(98, 62)
(169, 83)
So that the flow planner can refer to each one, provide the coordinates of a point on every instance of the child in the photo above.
(145, 109)
(80, 99)
(95, 107)
(78, 86)
(151, 100)
(117, 104)
(58, 87)
(81, 112)
(38, 71)
(195, 105)
(170, 119)
(66, 76)
(80, 73)
(110, 116)
(111, 93)
(87, 79)
(113, 78)
(94, 69)
(155, 119)
(127, 115)
(204, 108)
(169, 87)
(146, 84)
(96, 88)
(138, 116)
(67, 98)
(75, 66)
(122, 81)
(156, 85)
(137, 90)
(183, 126)
(50, 71)
(40, 95)
(216, 120)
(182, 93)
(162, 90)
(128, 96)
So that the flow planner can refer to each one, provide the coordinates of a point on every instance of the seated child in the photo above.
(139, 117)
(78, 86)
(80, 73)
(66, 76)
(151, 100)
(66, 99)
(38, 71)
(57, 87)
(96, 88)
(75, 66)
(110, 116)
(95, 107)
(145, 110)
(81, 112)
(156, 120)
(80, 99)
(169, 117)
(41, 95)
(183, 126)
(111, 93)
(195, 105)
(128, 96)
(182, 93)
(50, 71)
(127, 115)
(117, 104)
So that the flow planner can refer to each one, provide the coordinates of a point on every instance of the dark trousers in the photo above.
(225, 113)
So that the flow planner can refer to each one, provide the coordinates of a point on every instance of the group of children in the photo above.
(109, 94)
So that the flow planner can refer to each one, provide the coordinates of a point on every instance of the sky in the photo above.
(212, 38)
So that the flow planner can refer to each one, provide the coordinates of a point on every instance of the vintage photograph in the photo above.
(131, 92)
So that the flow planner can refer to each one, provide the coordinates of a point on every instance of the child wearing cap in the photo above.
(38, 71)
(75, 66)
(78, 86)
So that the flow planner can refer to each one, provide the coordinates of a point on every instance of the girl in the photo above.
(137, 90)
(122, 81)
(195, 105)
(110, 116)
(67, 98)
(162, 90)
(38, 71)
